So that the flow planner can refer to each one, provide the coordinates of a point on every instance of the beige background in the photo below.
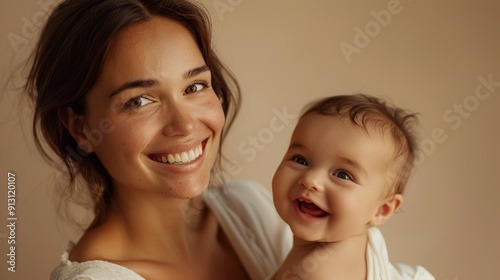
(427, 58)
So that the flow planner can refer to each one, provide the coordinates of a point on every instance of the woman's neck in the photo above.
(145, 225)
(152, 220)
(321, 260)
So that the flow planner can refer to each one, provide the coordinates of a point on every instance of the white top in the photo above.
(379, 267)
(246, 214)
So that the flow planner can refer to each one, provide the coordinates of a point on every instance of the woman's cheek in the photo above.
(214, 115)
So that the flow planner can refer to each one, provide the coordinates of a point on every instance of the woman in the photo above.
(132, 98)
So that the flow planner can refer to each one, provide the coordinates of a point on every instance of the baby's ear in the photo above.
(75, 125)
(385, 210)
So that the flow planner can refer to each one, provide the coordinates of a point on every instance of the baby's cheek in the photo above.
(278, 179)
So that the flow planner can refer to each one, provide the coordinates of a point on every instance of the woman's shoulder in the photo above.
(96, 243)
(91, 270)
(91, 257)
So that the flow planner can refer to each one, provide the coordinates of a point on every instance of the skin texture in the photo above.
(342, 170)
(172, 109)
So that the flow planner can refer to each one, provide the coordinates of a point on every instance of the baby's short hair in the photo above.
(368, 111)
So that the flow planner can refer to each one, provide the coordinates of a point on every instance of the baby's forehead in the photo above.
(374, 127)
(371, 124)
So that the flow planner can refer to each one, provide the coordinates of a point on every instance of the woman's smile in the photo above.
(181, 157)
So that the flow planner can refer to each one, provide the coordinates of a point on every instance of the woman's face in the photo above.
(162, 119)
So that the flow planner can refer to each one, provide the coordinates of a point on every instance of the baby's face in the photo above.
(332, 179)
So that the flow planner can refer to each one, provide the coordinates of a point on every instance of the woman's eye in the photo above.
(196, 87)
(137, 102)
(300, 160)
(343, 175)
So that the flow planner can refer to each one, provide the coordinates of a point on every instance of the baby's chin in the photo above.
(308, 237)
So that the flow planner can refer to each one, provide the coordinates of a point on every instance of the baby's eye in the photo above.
(300, 160)
(196, 87)
(137, 102)
(343, 175)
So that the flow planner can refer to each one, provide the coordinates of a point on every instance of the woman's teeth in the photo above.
(179, 158)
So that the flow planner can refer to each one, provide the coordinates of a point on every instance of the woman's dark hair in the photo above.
(67, 62)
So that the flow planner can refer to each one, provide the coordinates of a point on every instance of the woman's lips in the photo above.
(181, 157)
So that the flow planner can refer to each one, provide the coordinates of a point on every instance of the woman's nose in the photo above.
(180, 121)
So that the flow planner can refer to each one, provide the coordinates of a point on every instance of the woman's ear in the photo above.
(75, 125)
(386, 210)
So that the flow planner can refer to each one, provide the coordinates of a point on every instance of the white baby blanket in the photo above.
(379, 267)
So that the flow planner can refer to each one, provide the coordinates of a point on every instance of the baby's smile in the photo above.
(309, 208)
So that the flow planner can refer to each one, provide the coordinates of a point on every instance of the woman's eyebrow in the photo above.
(195, 71)
(135, 84)
(153, 82)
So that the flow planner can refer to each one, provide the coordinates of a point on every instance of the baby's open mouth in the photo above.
(179, 158)
(311, 209)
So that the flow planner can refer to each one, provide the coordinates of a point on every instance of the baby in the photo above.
(342, 176)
